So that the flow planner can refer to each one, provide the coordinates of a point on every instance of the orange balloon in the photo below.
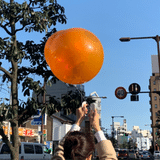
(75, 55)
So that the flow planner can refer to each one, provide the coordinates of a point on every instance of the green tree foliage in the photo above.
(124, 145)
(131, 144)
(29, 16)
(73, 100)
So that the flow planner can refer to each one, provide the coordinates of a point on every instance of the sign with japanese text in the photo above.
(37, 119)
(22, 131)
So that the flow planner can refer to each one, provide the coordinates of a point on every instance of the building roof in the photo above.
(62, 120)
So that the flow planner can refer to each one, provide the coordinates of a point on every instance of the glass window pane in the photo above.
(5, 149)
(28, 149)
(19, 149)
(38, 149)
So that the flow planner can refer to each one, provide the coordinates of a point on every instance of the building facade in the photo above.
(143, 138)
(120, 130)
(143, 143)
(154, 85)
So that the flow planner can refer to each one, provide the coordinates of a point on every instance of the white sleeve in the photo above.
(100, 136)
(75, 128)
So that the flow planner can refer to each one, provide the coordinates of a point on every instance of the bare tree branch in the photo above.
(6, 72)
(6, 30)
(19, 29)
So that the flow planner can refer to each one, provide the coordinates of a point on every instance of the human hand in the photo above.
(80, 113)
(94, 120)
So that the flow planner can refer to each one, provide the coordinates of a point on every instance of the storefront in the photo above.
(23, 133)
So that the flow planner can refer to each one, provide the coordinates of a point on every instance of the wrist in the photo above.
(78, 122)
(97, 129)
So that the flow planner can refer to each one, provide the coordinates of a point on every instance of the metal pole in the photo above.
(112, 127)
(9, 124)
(157, 40)
(42, 126)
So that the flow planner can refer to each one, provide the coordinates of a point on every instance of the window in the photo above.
(28, 149)
(155, 105)
(154, 82)
(5, 149)
(155, 98)
(154, 89)
(38, 149)
(156, 114)
(19, 149)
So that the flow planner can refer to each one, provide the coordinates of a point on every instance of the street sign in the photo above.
(37, 119)
(40, 132)
(34, 123)
(120, 93)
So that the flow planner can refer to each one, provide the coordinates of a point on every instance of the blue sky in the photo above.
(124, 63)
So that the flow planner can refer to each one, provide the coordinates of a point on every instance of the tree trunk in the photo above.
(14, 123)
(14, 91)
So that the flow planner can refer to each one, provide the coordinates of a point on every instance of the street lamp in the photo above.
(156, 38)
(113, 123)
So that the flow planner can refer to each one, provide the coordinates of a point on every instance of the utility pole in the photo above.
(113, 124)
(43, 98)
(9, 124)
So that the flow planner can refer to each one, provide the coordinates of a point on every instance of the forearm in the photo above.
(78, 122)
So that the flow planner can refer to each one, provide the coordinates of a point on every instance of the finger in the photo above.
(84, 109)
(84, 104)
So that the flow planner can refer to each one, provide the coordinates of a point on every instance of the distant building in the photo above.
(120, 129)
(143, 138)
(143, 143)
(120, 132)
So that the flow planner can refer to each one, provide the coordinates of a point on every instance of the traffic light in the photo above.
(157, 134)
(125, 134)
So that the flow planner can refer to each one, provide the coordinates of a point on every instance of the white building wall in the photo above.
(143, 138)
(143, 143)
(56, 130)
(67, 127)
(59, 129)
